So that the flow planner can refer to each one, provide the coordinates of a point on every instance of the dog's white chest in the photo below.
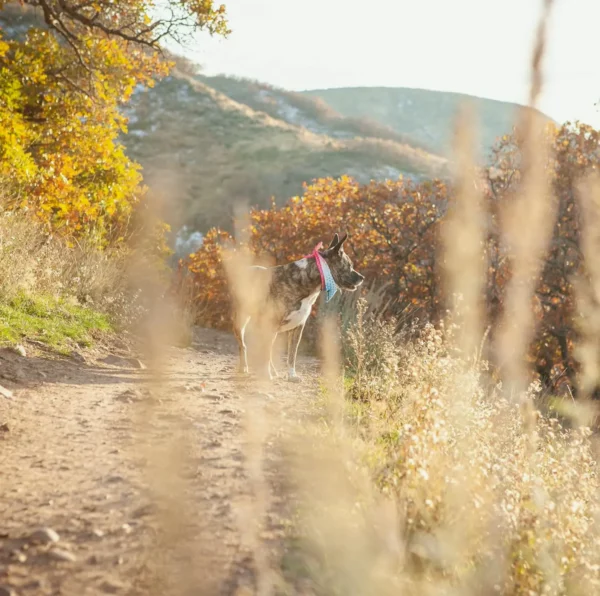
(298, 317)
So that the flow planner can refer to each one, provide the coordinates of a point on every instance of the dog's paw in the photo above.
(294, 378)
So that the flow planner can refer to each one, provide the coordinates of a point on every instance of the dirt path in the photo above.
(143, 485)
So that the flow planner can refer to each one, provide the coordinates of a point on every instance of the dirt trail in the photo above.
(149, 488)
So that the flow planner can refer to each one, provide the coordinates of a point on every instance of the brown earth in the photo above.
(118, 480)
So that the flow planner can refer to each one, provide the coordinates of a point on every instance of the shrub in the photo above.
(467, 499)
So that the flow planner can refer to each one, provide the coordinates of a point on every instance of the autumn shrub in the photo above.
(391, 229)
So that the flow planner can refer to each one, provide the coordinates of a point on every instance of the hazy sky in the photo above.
(481, 47)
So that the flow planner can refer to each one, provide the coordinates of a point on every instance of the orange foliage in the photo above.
(392, 227)
(576, 153)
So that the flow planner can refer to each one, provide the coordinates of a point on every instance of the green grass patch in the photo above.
(59, 324)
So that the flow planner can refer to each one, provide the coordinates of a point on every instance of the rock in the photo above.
(6, 392)
(34, 584)
(133, 395)
(143, 511)
(121, 362)
(44, 536)
(97, 533)
(58, 554)
(115, 479)
(18, 556)
(111, 587)
(77, 356)
(113, 360)
(4, 428)
(7, 591)
(20, 349)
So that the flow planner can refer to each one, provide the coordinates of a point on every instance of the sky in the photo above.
(479, 47)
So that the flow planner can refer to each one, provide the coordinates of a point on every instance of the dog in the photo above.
(286, 300)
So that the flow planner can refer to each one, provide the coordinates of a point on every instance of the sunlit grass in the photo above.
(56, 322)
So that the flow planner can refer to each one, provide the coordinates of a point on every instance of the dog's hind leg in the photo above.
(294, 337)
(240, 333)
(271, 364)
(264, 340)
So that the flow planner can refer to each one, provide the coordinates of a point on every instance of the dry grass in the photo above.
(36, 265)
(31, 260)
(429, 485)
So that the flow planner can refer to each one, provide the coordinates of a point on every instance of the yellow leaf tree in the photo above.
(62, 84)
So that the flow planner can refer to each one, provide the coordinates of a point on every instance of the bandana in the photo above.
(327, 282)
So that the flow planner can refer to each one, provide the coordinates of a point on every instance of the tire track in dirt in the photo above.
(77, 456)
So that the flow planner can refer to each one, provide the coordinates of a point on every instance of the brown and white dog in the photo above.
(285, 303)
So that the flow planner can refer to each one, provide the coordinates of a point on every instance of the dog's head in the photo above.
(341, 266)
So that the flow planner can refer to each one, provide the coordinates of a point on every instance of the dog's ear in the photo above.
(340, 243)
(335, 240)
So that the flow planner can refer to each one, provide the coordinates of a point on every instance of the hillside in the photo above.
(422, 115)
(219, 140)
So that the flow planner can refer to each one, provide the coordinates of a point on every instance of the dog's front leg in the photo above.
(294, 337)
(265, 348)
(239, 333)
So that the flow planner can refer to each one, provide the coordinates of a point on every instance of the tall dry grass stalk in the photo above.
(531, 209)
(588, 299)
(463, 239)
(249, 295)
(174, 561)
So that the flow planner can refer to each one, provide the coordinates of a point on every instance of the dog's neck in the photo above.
(303, 277)
(313, 277)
